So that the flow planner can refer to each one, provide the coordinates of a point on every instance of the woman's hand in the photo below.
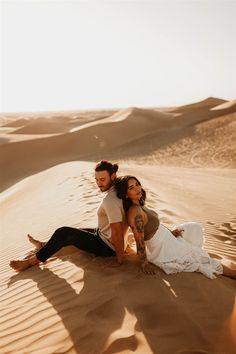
(177, 232)
(148, 268)
(111, 262)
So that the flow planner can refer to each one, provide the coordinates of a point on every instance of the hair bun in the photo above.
(115, 167)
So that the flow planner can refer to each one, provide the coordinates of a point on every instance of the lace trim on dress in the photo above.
(190, 263)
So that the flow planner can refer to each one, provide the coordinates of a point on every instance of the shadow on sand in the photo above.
(174, 313)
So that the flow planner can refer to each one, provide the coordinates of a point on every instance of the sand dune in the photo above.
(136, 131)
(75, 303)
(25, 117)
(87, 141)
(17, 123)
(144, 119)
(204, 104)
(204, 110)
(225, 105)
(76, 300)
(209, 143)
(43, 126)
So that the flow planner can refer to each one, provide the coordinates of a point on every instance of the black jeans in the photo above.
(84, 239)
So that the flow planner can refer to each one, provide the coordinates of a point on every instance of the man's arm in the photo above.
(118, 240)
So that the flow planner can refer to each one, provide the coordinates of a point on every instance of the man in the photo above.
(109, 240)
(112, 225)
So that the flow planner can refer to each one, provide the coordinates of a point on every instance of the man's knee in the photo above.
(61, 231)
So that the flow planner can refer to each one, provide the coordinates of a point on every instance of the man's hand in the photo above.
(177, 232)
(111, 262)
(117, 238)
(120, 260)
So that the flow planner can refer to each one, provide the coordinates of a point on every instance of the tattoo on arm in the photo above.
(141, 250)
(139, 224)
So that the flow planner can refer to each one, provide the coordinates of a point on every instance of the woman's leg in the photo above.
(66, 236)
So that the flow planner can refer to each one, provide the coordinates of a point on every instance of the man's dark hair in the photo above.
(105, 165)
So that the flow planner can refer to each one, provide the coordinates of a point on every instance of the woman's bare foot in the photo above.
(229, 272)
(21, 265)
(36, 243)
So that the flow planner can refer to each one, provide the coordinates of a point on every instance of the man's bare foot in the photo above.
(21, 265)
(36, 243)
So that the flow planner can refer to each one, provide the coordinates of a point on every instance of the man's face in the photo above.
(104, 180)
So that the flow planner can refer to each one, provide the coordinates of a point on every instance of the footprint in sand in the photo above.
(91, 203)
(168, 212)
(165, 220)
(229, 225)
(153, 195)
(227, 229)
(225, 239)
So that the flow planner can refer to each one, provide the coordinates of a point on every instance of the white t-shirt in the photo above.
(111, 211)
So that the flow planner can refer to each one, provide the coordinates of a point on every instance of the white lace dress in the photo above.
(182, 254)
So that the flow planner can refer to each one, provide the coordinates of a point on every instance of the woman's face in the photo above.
(134, 190)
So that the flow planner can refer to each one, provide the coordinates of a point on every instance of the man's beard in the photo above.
(105, 188)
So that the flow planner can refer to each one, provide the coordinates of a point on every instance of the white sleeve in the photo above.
(113, 209)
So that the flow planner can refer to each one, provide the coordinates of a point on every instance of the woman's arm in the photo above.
(136, 222)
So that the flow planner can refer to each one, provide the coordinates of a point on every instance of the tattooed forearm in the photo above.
(141, 249)
(139, 227)
(139, 224)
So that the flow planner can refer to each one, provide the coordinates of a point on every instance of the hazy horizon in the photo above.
(80, 55)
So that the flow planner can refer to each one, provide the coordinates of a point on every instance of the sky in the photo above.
(75, 55)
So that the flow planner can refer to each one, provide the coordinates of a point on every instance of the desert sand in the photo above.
(185, 158)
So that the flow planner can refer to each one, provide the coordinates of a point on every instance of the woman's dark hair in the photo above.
(105, 165)
(121, 185)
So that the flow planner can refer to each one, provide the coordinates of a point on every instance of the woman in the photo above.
(173, 251)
